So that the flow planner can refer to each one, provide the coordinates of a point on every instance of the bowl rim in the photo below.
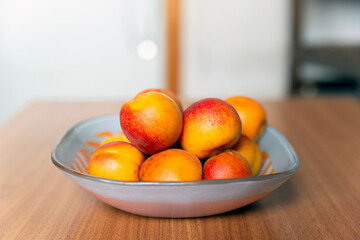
(75, 173)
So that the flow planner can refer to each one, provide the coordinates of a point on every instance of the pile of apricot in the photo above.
(211, 139)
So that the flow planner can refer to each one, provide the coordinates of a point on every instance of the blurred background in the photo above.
(110, 50)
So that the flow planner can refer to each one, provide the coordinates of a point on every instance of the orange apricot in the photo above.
(166, 92)
(228, 164)
(252, 115)
(151, 121)
(251, 151)
(116, 160)
(171, 165)
(211, 125)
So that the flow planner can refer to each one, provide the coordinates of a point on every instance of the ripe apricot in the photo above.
(251, 151)
(151, 121)
(228, 164)
(116, 160)
(252, 115)
(166, 92)
(171, 165)
(211, 125)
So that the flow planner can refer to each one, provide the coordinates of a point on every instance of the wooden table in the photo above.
(322, 200)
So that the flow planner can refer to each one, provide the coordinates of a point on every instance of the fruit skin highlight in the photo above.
(171, 165)
(151, 121)
(252, 115)
(228, 164)
(251, 151)
(166, 92)
(116, 160)
(210, 126)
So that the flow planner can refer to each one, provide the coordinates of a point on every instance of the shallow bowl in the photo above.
(72, 152)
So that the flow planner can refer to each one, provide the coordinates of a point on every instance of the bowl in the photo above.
(72, 152)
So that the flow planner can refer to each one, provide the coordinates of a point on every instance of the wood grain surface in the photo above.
(322, 200)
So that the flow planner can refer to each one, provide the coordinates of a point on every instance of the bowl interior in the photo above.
(74, 149)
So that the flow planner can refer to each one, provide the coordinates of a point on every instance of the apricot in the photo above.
(252, 115)
(251, 151)
(171, 165)
(120, 137)
(116, 160)
(211, 125)
(228, 164)
(151, 121)
(166, 92)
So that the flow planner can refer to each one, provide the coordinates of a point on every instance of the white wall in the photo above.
(88, 49)
(235, 47)
(85, 49)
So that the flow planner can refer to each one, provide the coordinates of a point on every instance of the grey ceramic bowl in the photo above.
(171, 199)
